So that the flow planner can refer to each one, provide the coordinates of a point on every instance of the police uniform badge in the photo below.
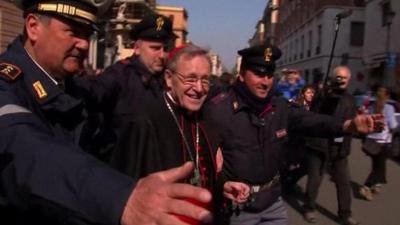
(39, 89)
(9, 71)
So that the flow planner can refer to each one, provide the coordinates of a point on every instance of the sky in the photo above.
(224, 26)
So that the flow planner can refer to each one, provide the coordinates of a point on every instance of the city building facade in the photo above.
(305, 31)
(382, 48)
(115, 43)
(11, 23)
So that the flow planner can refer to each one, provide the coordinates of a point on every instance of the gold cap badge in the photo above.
(160, 23)
(267, 54)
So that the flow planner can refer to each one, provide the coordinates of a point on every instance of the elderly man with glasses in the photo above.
(174, 132)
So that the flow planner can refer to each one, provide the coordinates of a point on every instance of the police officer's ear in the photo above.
(33, 26)
(241, 75)
(136, 47)
(168, 78)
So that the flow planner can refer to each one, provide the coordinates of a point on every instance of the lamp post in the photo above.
(388, 20)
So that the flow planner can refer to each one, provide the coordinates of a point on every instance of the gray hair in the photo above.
(188, 52)
(335, 70)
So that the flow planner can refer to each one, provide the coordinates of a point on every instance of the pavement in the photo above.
(383, 210)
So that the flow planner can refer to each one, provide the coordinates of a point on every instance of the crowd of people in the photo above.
(154, 139)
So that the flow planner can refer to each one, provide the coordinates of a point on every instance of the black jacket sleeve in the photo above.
(314, 124)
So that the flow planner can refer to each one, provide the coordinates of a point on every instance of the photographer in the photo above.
(332, 153)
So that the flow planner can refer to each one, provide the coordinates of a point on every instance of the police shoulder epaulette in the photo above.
(9, 71)
(219, 98)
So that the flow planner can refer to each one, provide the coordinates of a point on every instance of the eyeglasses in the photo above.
(192, 81)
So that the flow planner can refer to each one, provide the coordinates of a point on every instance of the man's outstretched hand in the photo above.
(365, 124)
(157, 197)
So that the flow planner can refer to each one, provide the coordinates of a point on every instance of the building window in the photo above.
(296, 47)
(387, 13)
(359, 3)
(317, 75)
(307, 75)
(357, 34)
(319, 40)
(386, 9)
(309, 43)
(302, 47)
(344, 59)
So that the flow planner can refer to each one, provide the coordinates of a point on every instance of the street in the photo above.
(383, 210)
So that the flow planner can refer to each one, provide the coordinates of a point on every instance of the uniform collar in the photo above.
(40, 67)
(44, 89)
(239, 104)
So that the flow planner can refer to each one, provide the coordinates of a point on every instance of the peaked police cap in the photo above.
(153, 27)
(260, 58)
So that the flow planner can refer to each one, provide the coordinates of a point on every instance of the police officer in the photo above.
(254, 126)
(131, 88)
(45, 177)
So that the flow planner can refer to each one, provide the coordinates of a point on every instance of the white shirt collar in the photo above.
(44, 71)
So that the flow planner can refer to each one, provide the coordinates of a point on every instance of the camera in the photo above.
(337, 81)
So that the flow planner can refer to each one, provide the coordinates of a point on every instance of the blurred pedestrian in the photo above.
(296, 149)
(377, 145)
(306, 96)
(227, 78)
(46, 178)
(331, 152)
(220, 84)
(290, 84)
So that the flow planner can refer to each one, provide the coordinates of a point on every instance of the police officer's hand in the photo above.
(157, 197)
(236, 191)
(365, 124)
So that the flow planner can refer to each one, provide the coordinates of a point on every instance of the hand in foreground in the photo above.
(157, 197)
(365, 124)
(236, 191)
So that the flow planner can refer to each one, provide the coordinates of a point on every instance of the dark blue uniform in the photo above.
(253, 145)
(126, 93)
(45, 177)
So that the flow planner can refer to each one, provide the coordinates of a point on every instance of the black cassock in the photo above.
(152, 142)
